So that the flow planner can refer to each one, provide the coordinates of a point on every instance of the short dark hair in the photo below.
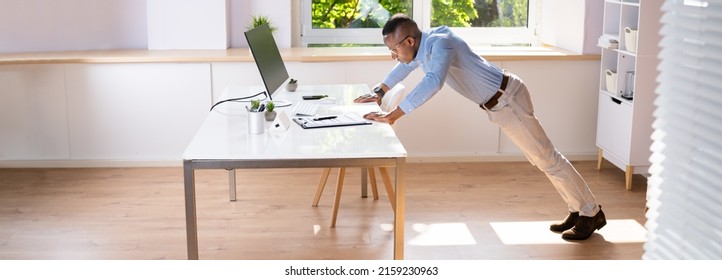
(400, 21)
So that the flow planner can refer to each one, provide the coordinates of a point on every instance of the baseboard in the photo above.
(178, 163)
(88, 163)
(492, 158)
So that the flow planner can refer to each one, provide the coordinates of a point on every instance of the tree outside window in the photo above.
(332, 14)
(500, 13)
(356, 13)
(357, 22)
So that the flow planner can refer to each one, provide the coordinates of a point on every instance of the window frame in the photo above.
(475, 36)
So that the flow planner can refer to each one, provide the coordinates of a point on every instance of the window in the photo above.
(359, 22)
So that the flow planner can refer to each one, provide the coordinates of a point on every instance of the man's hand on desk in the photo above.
(389, 118)
(368, 98)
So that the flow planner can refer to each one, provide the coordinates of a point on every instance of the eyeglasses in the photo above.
(397, 45)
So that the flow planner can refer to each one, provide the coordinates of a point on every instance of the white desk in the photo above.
(223, 142)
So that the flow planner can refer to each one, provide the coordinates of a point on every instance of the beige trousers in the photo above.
(514, 114)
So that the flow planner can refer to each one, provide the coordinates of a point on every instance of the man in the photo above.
(446, 58)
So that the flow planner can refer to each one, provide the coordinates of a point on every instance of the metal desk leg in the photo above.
(232, 184)
(191, 220)
(364, 182)
(399, 213)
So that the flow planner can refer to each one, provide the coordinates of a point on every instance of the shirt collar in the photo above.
(422, 46)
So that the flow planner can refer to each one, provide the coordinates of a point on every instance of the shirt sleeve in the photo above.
(399, 73)
(441, 55)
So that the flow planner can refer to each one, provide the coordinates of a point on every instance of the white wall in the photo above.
(187, 24)
(594, 11)
(241, 12)
(68, 25)
(572, 24)
(42, 25)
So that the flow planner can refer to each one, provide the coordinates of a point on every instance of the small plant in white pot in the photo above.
(270, 112)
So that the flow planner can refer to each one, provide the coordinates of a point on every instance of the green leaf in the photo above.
(257, 21)
(255, 104)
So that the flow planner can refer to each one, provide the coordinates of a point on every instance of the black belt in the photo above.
(495, 99)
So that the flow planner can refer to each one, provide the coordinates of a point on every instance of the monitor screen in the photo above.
(267, 57)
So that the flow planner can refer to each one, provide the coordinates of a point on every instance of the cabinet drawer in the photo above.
(614, 126)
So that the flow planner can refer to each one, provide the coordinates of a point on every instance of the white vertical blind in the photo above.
(685, 188)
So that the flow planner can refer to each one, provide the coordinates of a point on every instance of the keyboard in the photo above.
(306, 108)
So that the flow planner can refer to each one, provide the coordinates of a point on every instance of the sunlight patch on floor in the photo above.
(387, 227)
(526, 233)
(442, 234)
(316, 229)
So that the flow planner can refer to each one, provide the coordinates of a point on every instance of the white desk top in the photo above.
(224, 134)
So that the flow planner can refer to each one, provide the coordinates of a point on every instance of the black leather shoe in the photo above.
(585, 226)
(568, 223)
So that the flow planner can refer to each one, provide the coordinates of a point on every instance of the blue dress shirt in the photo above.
(446, 58)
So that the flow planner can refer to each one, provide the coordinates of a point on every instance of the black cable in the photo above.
(238, 99)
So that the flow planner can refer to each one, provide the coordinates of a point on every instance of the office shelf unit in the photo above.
(624, 126)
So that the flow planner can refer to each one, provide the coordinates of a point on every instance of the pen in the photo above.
(324, 118)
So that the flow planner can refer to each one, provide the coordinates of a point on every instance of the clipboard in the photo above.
(341, 120)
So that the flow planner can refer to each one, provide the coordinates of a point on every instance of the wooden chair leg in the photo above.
(337, 200)
(321, 185)
(339, 188)
(389, 187)
(372, 178)
(600, 158)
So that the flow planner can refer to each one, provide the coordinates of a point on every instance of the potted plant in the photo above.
(292, 85)
(257, 21)
(255, 117)
(270, 112)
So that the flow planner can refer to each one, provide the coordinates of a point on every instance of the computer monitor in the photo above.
(267, 57)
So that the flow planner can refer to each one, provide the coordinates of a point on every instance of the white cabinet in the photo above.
(627, 84)
(135, 111)
(33, 117)
(100, 113)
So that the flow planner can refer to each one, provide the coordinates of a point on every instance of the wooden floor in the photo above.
(478, 211)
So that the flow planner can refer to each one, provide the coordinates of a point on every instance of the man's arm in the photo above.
(430, 85)
(397, 74)
(436, 70)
